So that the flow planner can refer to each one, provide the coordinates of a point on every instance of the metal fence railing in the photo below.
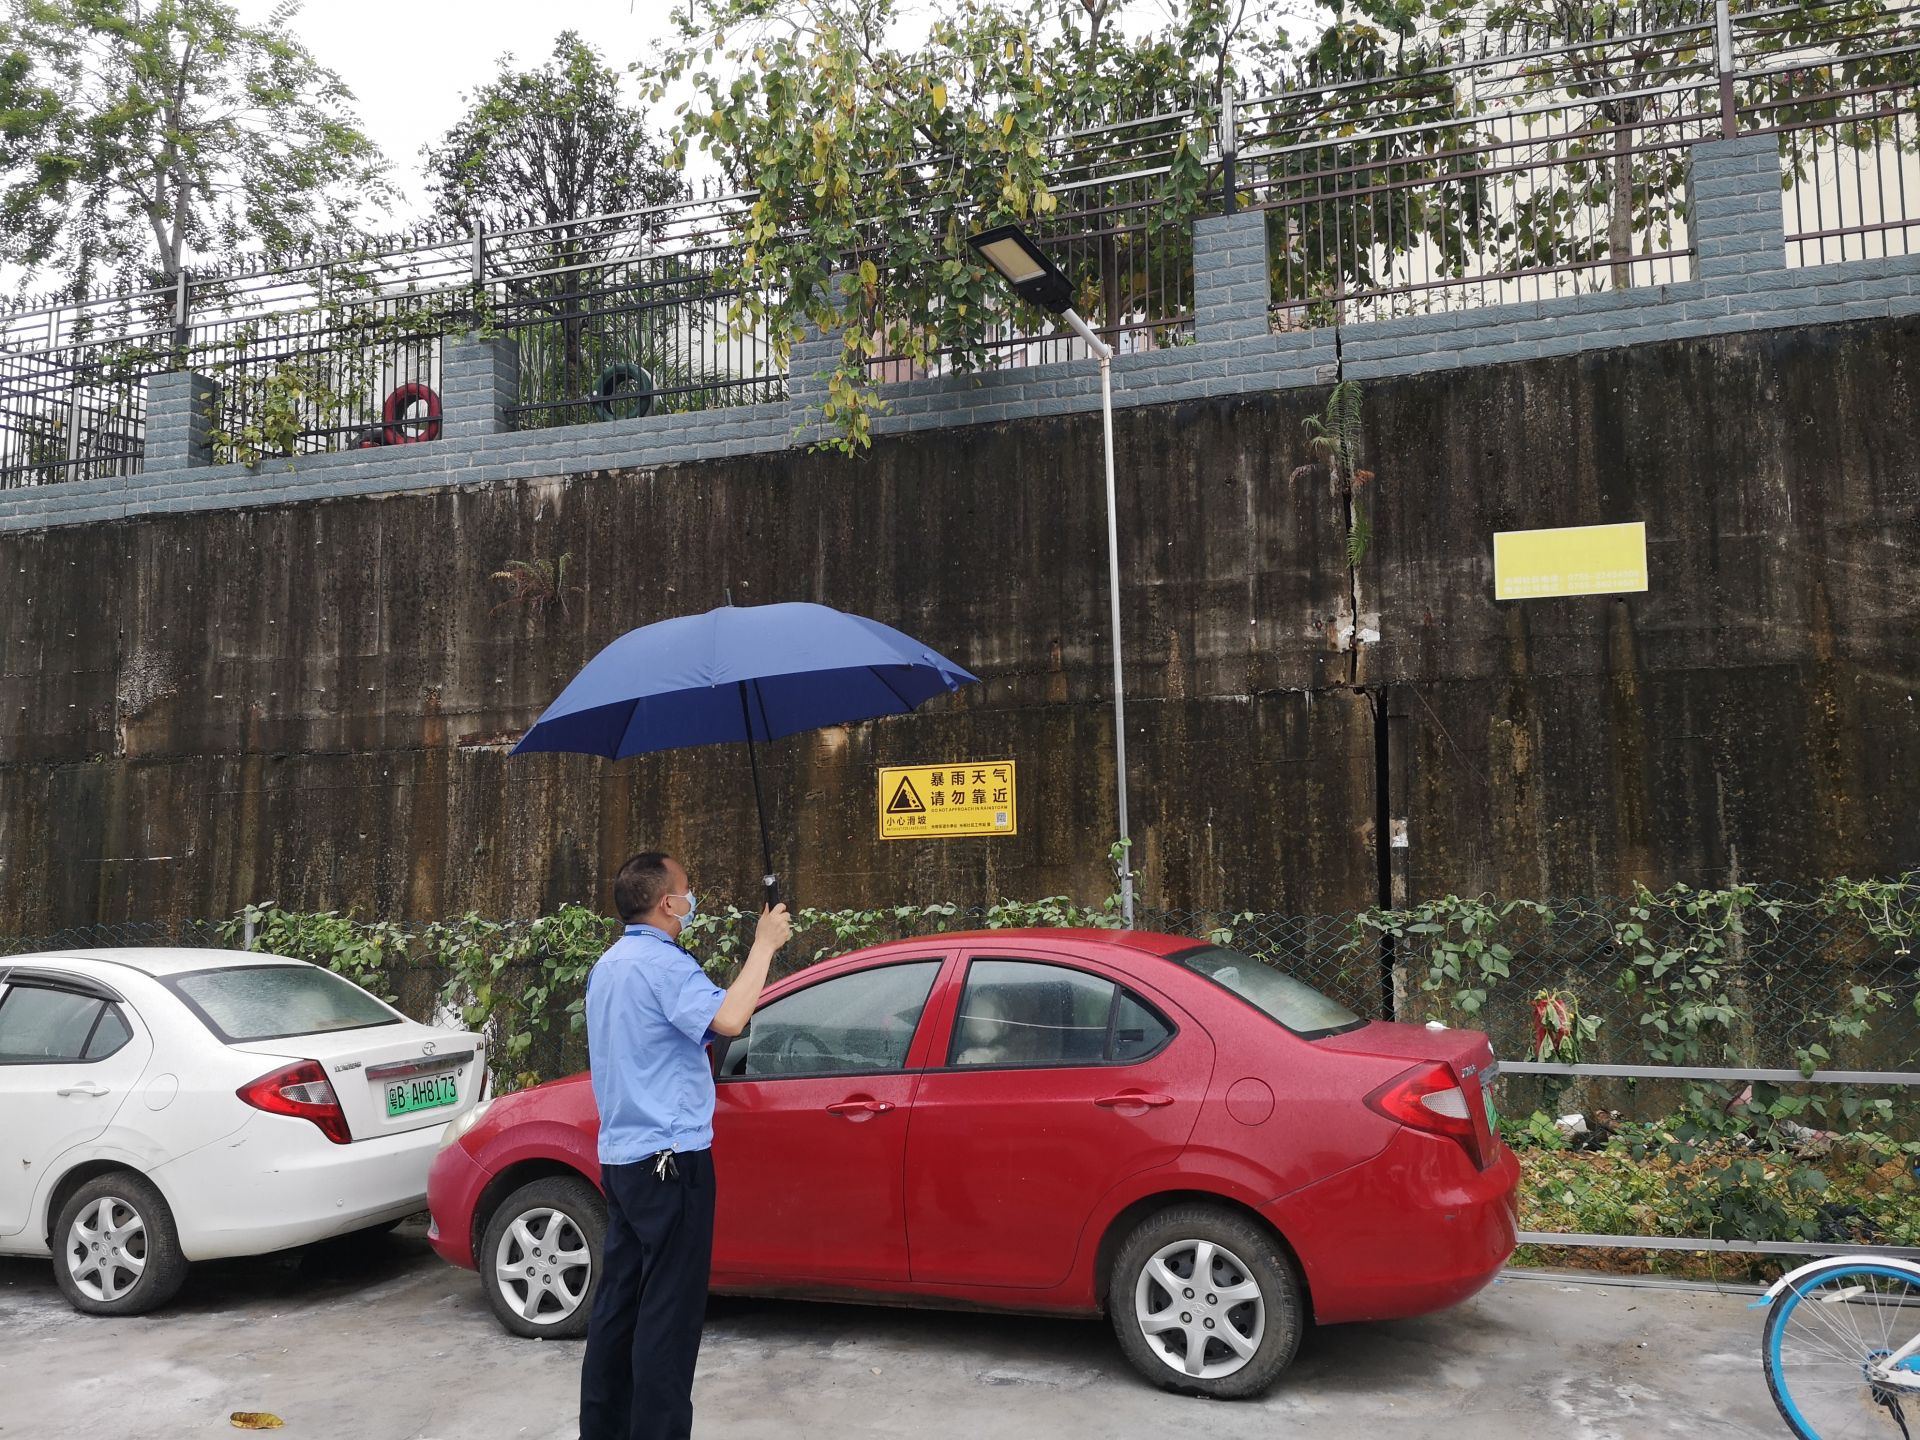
(1481, 170)
(1841, 91)
(1403, 175)
(73, 389)
(326, 360)
(64, 417)
(629, 315)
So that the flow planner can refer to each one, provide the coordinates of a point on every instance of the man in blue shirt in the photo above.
(650, 1012)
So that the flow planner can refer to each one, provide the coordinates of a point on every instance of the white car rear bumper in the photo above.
(278, 1182)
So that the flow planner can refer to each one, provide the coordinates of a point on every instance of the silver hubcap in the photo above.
(106, 1249)
(542, 1266)
(1200, 1309)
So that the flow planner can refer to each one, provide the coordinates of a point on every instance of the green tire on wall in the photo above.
(624, 391)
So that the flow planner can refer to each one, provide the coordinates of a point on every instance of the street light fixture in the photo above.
(1037, 280)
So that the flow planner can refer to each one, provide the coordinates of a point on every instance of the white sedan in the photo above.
(164, 1106)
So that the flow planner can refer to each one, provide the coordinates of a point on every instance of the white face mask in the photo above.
(693, 904)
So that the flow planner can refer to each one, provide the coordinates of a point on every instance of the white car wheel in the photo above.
(115, 1250)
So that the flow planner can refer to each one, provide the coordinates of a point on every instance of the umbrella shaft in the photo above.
(768, 878)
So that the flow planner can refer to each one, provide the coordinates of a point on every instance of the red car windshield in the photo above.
(1301, 1008)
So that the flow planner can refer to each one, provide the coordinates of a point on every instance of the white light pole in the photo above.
(1036, 279)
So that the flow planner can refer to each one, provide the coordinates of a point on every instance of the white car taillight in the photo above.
(302, 1090)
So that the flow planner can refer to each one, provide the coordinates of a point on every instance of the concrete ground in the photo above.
(380, 1341)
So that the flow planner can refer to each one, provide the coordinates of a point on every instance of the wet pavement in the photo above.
(378, 1340)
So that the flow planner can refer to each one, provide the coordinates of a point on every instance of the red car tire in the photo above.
(551, 1296)
(1239, 1308)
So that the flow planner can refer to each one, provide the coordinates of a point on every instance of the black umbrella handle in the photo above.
(769, 879)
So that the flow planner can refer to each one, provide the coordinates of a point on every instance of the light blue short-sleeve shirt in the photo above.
(649, 1011)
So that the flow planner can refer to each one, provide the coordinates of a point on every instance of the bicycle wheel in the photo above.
(1824, 1334)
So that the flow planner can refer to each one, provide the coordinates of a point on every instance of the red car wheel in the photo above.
(1205, 1302)
(540, 1257)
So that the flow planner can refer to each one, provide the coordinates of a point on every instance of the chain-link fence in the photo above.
(1775, 977)
(1755, 978)
(1697, 989)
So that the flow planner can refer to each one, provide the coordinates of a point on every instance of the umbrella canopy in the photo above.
(747, 672)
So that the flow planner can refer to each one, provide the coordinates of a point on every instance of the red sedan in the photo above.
(1071, 1121)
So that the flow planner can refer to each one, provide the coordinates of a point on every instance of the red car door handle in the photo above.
(1147, 1102)
(853, 1109)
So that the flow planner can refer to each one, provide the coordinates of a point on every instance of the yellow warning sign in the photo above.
(1576, 560)
(924, 802)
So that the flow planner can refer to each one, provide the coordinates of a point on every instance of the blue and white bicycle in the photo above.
(1842, 1348)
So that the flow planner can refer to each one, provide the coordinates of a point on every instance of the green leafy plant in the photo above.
(1335, 438)
(533, 585)
(1456, 935)
(1560, 1031)
(295, 397)
(870, 160)
(1677, 947)
(1677, 957)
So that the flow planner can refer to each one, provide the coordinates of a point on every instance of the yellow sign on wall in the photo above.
(1576, 560)
(928, 802)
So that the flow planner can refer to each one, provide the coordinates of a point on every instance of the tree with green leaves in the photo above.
(556, 144)
(875, 159)
(138, 137)
(868, 159)
(1366, 160)
(561, 154)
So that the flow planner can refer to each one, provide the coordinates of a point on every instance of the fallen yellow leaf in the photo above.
(255, 1420)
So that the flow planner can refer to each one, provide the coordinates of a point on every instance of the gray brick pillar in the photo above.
(1734, 201)
(810, 362)
(180, 411)
(479, 380)
(1231, 288)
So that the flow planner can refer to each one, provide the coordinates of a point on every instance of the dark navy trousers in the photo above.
(636, 1382)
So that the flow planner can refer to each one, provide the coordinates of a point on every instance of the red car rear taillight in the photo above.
(1428, 1098)
(301, 1090)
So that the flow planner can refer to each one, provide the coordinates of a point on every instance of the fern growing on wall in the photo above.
(1335, 437)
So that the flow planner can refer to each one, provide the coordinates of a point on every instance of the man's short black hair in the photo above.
(640, 884)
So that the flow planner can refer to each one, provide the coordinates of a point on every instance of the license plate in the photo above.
(428, 1092)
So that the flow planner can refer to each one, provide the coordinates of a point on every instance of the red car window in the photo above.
(1026, 1012)
(849, 1025)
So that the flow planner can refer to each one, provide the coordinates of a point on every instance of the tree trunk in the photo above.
(1620, 210)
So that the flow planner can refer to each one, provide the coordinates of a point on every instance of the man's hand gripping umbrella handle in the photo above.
(773, 931)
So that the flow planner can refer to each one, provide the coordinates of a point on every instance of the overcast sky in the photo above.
(408, 65)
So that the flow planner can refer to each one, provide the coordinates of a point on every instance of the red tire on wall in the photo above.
(399, 429)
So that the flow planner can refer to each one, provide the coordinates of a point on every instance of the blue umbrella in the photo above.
(748, 672)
